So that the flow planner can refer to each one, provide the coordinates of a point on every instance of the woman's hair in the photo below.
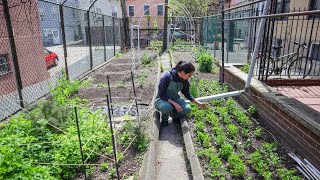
(186, 67)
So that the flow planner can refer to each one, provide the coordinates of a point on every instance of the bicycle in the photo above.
(297, 64)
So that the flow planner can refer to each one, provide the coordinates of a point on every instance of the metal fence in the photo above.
(289, 45)
(40, 39)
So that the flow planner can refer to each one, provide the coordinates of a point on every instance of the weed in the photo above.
(146, 60)
(120, 85)
(142, 78)
(252, 110)
(245, 68)
(104, 167)
(101, 85)
(119, 55)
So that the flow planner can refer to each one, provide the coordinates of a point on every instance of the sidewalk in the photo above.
(309, 95)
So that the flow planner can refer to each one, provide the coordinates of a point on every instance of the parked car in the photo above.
(51, 58)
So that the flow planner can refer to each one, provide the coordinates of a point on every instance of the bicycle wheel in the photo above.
(268, 67)
(300, 67)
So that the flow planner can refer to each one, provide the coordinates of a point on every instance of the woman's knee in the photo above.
(187, 109)
(165, 107)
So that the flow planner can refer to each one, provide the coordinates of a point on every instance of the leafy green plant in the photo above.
(236, 165)
(142, 78)
(104, 167)
(252, 110)
(205, 62)
(204, 139)
(146, 60)
(257, 132)
(226, 150)
(284, 173)
(119, 55)
(232, 130)
(220, 139)
(194, 87)
(245, 68)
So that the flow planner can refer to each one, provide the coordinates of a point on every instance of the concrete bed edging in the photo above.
(192, 157)
(147, 170)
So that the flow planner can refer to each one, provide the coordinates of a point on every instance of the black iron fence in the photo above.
(40, 39)
(289, 46)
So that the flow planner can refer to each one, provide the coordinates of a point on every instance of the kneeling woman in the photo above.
(171, 83)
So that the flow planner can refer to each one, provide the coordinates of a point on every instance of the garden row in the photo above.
(43, 143)
(230, 143)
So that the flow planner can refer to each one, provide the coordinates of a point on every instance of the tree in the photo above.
(196, 8)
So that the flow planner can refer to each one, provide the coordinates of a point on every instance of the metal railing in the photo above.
(40, 39)
(289, 45)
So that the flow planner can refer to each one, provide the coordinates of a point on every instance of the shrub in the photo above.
(205, 61)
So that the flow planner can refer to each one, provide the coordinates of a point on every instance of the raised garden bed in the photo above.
(229, 141)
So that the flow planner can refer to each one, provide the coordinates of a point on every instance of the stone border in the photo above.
(192, 157)
(148, 167)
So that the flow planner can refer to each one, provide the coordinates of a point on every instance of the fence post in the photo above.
(165, 28)
(79, 136)
(104, 40)
(113, 140)
(64, 43)
(89, 38)
(207, 36)
(13, 50)
(222, 45)
(114, 37)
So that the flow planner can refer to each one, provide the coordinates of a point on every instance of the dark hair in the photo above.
(186, 67)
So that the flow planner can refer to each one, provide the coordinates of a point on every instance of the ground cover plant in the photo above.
(230, 144)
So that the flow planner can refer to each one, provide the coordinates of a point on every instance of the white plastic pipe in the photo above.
(219, 96)
(257, 44)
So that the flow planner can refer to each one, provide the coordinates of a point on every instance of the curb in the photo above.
(148, 167)
(192, 157)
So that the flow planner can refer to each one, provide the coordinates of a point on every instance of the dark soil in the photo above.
(119, 72)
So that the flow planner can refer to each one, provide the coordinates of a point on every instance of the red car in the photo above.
(51, 58)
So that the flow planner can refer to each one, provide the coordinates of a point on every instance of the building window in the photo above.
(131, 10)
(54, 11)
(283, 6)
(314, 5)
(146, 10)
(160, 10)
(4, 64)
(41, 13)
(315, 52)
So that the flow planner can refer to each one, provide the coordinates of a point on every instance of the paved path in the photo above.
(170, 157)
(309, 95)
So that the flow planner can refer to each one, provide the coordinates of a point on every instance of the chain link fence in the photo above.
(41, 39)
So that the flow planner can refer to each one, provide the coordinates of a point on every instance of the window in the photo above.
(315, 52)
(160, 10)
(131, 10)
(283, 6)
(4, 64)
(314, 5)
(41, 13)
(146, 10)
(54, 11)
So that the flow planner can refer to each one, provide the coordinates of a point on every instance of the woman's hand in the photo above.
(202, 105)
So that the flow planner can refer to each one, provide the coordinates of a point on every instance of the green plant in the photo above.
(245, 68)
(200, 126)
(284, 173)
(236, 165)
(161, 68)
(135, 132)
(142, 78)
(119, 55)
(104, 167)
(194, 87)
(204, 139)
(226, 150)
(232, 130)
(205, 62)
(146, 60)
(101, 85)
(220, 139)
(257, 132)
(120, 85)
(252, 110)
